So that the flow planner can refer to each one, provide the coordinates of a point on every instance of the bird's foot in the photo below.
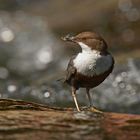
(91, 108)
(94, 109)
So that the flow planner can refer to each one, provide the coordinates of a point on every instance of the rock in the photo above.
(23, 120)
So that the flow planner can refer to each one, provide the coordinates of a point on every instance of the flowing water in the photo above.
(32, 59)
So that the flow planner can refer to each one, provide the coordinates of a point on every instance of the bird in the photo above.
(91, 66)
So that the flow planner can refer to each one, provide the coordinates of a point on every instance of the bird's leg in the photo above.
(74, 98)
(92, 108)
(89, 97)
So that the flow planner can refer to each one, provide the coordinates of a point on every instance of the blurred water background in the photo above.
(33, 57)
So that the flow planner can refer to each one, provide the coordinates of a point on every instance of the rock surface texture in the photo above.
(23, 120)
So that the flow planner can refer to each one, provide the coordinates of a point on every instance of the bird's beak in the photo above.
(68, 38)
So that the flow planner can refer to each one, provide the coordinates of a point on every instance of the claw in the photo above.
(93, 109)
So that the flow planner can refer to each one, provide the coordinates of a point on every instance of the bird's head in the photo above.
(88, 41)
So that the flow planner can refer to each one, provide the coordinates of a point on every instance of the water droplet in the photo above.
(118, 79)
(115, 84)
(47, 94)
(3, 73)
(7, 35)
(128, 87)
(124, 74)
(12, 88)
(122, 85)
(133, 92)
(44, 56)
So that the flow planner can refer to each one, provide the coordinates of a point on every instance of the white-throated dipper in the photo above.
(91, 66)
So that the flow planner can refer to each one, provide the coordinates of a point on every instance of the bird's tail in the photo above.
(63, 80)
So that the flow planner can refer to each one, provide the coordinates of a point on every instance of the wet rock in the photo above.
(23, 120)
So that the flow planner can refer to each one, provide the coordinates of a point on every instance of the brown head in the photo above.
(91, 39)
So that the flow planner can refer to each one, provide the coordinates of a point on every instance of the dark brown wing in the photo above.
(71, 71)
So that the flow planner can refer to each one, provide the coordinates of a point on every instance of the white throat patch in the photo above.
(91, 62)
